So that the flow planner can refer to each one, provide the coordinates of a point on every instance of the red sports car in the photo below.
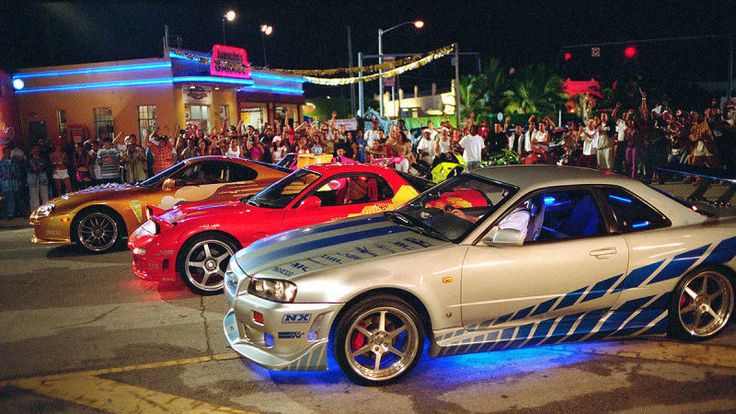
(194, 241)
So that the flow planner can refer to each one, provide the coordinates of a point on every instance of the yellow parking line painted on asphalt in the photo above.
(116, 397)
(669, 351)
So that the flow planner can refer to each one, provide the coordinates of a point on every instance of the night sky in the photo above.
(314, 34)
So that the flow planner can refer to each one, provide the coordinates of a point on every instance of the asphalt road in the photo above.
(81, 334)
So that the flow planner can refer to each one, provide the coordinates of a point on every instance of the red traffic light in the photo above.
(567, 56)
(630, 52)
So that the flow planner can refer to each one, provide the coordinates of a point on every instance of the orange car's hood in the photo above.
(101, 192)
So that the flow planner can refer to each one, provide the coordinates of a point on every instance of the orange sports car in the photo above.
(98, 218)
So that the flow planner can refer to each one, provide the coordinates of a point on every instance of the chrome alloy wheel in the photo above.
(205, 264)
(382, 343)
(97, 232)
(705, 304)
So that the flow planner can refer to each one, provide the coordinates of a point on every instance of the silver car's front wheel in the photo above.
(205, 261)
(97, 232)
(705, 301)
(379, 340)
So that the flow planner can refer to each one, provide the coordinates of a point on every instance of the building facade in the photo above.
(132, 96)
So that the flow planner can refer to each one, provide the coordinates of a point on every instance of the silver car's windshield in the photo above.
(280, 193)
(452, 209)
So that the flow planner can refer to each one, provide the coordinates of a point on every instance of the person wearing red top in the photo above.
(162, 150)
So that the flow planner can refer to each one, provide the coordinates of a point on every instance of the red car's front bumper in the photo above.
(151, 261)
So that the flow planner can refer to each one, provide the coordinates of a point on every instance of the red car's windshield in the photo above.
(282, 192)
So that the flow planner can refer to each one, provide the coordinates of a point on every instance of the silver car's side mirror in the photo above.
(507, 237)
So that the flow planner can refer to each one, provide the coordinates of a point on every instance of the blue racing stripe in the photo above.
(571, 298)
(600, 289)
(262, 259)
(541, 333)
(522, 313)
(503, 318)
(564, 326)
(723, 253)
(544, 307)
(679, 264)
(524, 331)
(638, 276)
(617, 318)
(590, 320)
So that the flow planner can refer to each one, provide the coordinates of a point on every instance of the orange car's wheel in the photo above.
(97, 231)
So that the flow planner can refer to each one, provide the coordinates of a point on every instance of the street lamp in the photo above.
(266, 30)
(416, 23)
(229, 16)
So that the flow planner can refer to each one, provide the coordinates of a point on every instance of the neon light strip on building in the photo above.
(279, 89)
(254, 75)
(97, 85)
(87, 71)
(213, 79)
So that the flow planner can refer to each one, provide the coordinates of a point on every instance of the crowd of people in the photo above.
(632, 141)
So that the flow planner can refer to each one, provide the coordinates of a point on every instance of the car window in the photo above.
(202, 173)
(353, 189)
(282, 192)
(556, 215)
(241, 173)
(631, 213)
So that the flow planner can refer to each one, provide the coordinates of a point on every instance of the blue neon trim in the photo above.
(268, 339)
(269, 76)
(621, 199)
(254, 75)
(96, 85)
(104, 69)
(278, 89)
(640, 225)
(548, 201)
(213, 79)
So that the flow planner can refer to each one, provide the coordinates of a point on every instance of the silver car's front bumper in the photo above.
(293, 336)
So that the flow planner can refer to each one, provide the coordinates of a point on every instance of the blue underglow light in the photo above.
(640, 225)
(97, 85)
(87, 71)
(213, 79)
(548, 201)
(617, 198)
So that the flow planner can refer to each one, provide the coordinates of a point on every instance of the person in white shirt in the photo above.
(590, 138)
(372, 134)
(540, 137)
(604, 144)
(527, 148)
(425, 147)
(472, 146)
(443, 142)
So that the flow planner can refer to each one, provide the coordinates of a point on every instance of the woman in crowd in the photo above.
(82, 164)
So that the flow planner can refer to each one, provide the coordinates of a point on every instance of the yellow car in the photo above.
(98, 218)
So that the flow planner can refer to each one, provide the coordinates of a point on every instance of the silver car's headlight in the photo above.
(273, 289)
(44, 210)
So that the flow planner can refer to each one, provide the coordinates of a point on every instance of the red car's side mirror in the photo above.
(311, 202)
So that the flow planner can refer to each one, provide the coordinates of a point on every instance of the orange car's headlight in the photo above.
(44, 210)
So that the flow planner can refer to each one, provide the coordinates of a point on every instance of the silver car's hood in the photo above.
(313, 248)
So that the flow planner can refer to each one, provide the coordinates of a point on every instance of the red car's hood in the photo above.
(201, 209)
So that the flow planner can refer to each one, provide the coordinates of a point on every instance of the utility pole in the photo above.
(730, 67)
(361, 101)
(350, 65)
(457, 84)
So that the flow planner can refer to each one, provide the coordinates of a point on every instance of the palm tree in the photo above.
(534, 89)
(495, 83)
(471, 99)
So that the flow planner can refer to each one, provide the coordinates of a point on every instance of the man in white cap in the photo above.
(425, 147)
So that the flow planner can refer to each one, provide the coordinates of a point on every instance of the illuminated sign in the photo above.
(230, 62)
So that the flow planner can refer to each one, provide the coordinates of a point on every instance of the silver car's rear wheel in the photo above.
(205, 263)
(705, 303)
(97, 232)
(379, 340)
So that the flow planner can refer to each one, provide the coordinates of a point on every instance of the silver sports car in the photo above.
(499, 258)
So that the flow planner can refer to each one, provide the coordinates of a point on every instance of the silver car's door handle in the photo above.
(603, 253)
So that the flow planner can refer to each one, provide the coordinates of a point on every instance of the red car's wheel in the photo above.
(203, 260)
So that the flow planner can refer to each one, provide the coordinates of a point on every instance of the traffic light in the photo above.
(630, 52)
(567, 56)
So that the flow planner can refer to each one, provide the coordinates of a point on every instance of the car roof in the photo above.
(237, 160)
(333, 168)
(530, 177)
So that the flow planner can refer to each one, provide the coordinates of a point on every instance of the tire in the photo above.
(696, 313)
(359, 329)
(98, 231)
(202, 262)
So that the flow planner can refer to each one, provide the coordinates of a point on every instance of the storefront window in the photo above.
(252, 116)
(146, 119)
(61, 119)
(103, 122)
(199, 115)
(224, 113)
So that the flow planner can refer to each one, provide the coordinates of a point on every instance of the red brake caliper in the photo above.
(683, 300)
(358, 339)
